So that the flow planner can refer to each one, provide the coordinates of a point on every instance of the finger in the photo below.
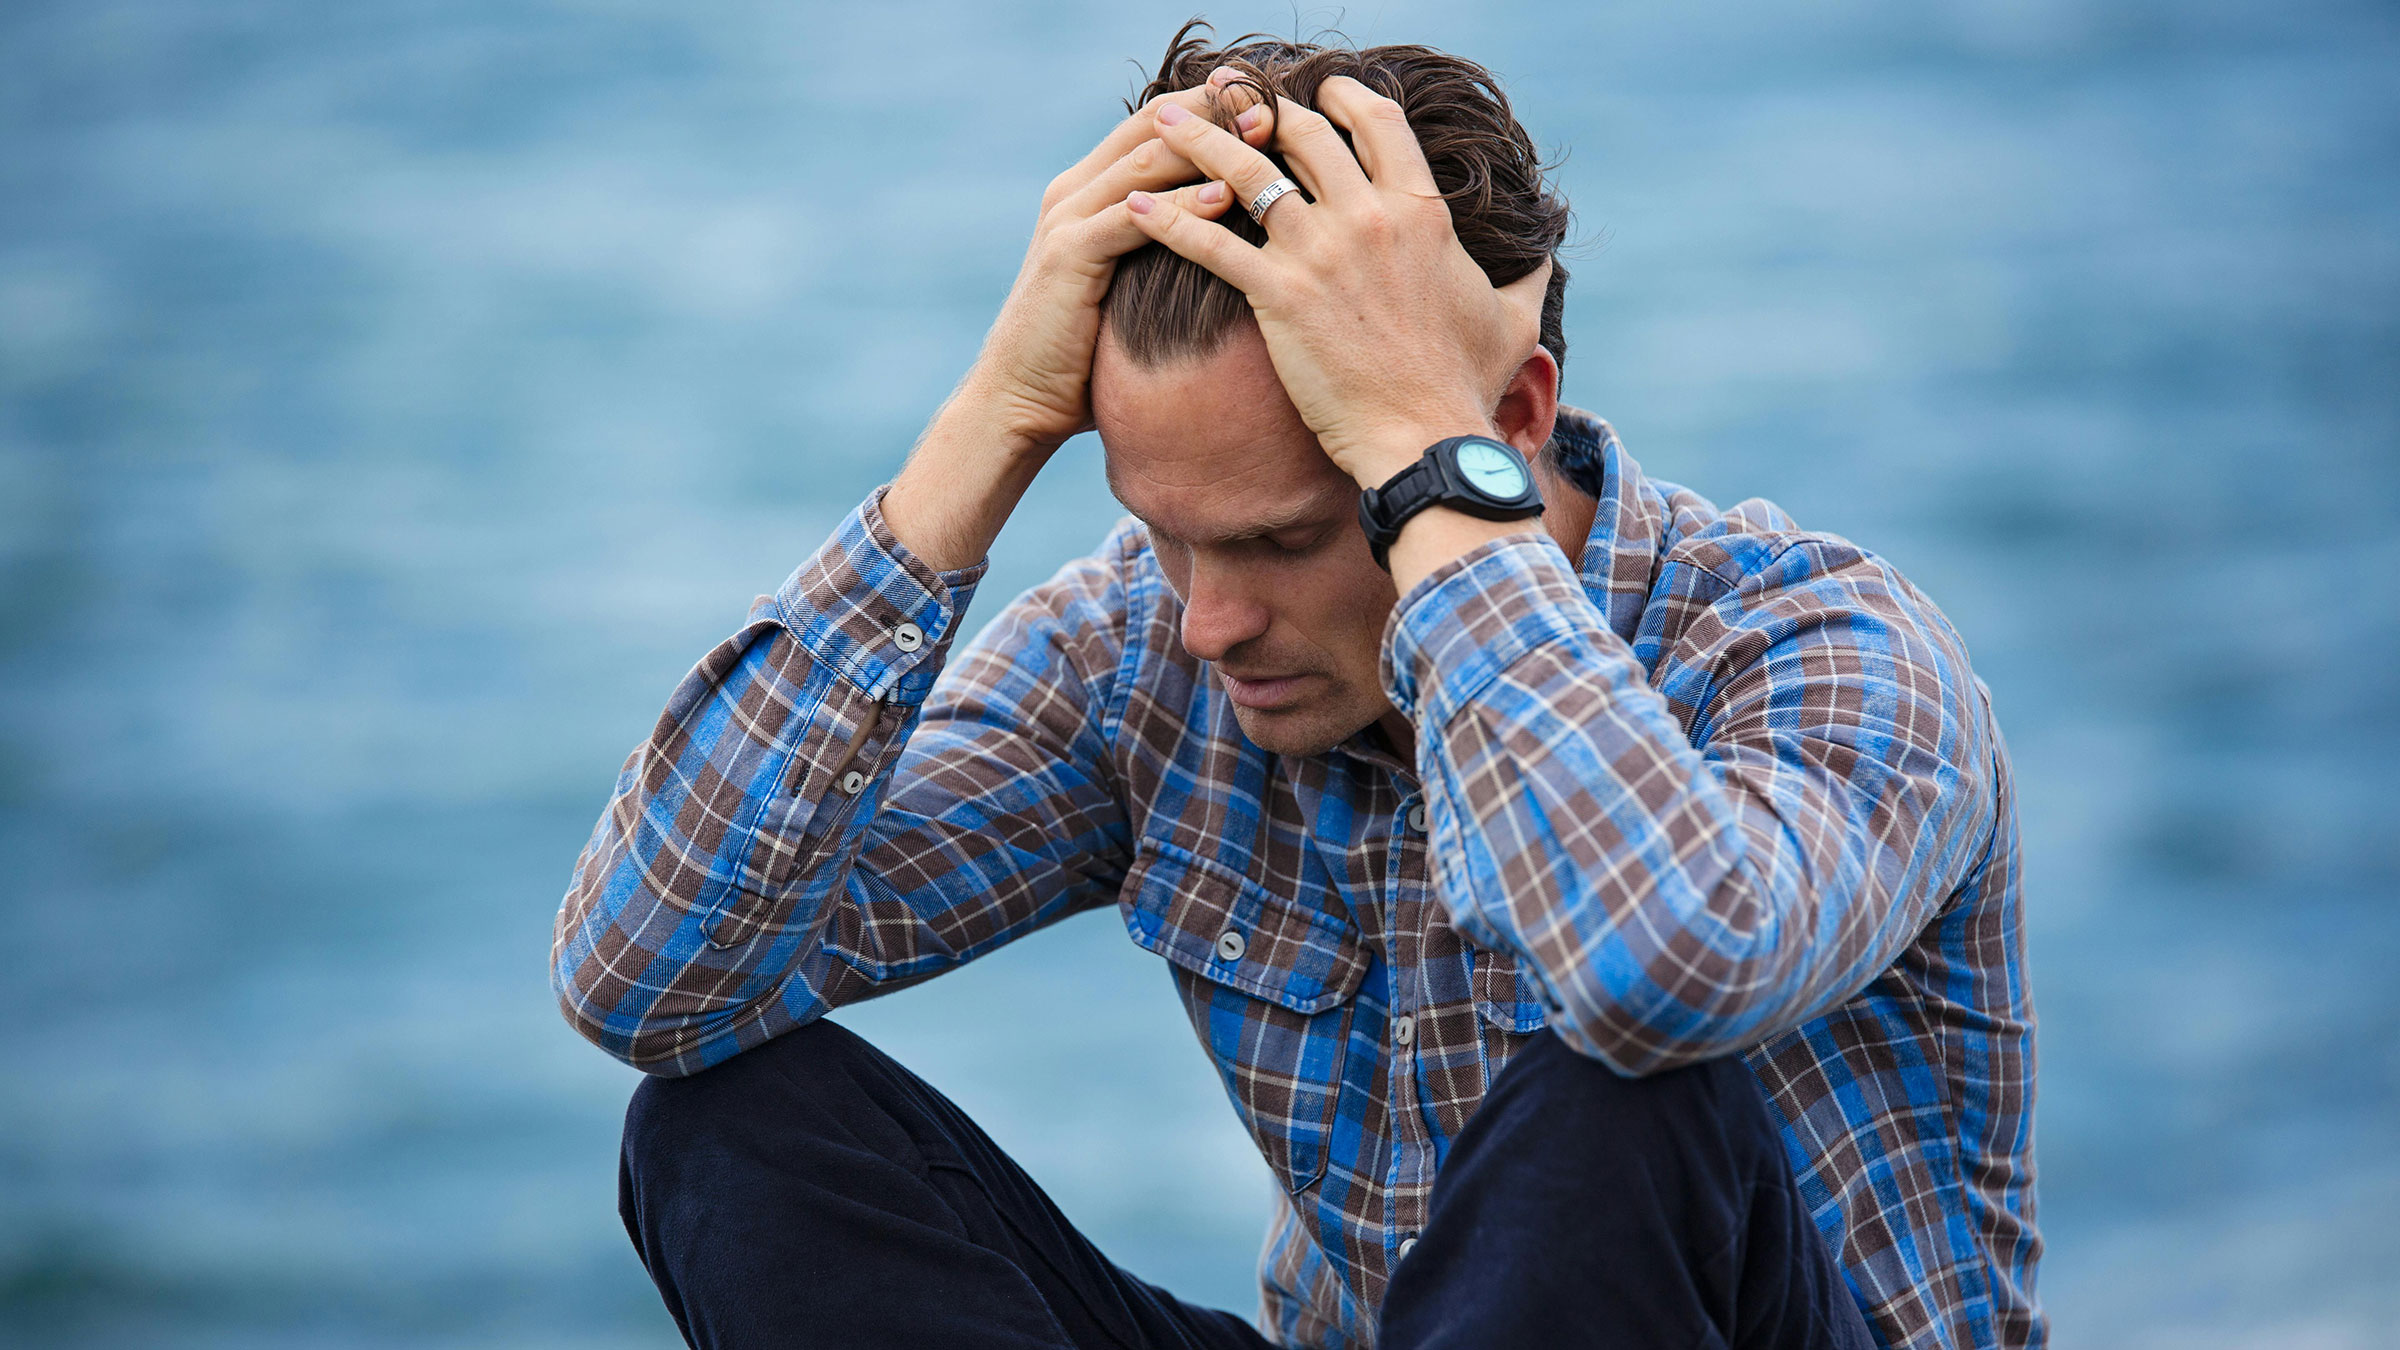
(1137, 127)
(1234, 95)
(1117, 230)
(1220, 250)
(1315, 152)
(1222, 155)
(1134, 130)
(1152, 166)
(1379, 131)
(1237, 105)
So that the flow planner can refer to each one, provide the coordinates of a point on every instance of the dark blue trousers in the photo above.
(812, 1192)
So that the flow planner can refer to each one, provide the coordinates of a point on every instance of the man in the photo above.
(1602, 907)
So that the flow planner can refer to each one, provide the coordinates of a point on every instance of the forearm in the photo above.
(1681, 902)
(963, 480)
(727, 825)
(1437, 534)
(1440, 535)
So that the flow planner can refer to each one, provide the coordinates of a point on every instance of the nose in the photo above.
(1220, 613)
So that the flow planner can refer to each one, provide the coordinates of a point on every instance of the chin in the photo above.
(1298, 731)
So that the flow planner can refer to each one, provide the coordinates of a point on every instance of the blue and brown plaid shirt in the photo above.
(1725, 787)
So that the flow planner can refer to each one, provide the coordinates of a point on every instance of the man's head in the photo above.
(1255, 528)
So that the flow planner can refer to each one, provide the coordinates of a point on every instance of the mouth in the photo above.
(1263, 692)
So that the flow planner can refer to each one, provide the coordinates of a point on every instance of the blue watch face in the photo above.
(1492, 470)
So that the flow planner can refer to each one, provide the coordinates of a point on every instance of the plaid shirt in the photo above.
(1730, 788)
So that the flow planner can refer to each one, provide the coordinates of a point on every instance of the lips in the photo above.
(1261, 691)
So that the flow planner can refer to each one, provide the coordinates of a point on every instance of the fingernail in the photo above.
(1249, 120)
(1223, 75)
(1212, 193)
(1138, 202)
(1171, 113)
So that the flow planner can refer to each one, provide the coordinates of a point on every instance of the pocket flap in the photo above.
(1505, 996)
(1224, 927)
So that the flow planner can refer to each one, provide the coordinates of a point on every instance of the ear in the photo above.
(1529, 405)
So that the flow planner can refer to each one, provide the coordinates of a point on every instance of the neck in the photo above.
(1567, 510)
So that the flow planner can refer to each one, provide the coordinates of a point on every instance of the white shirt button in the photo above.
(908, 637)
(852, 782)
(1231, 945)
(1416, 819)
(1407, 1244)
(1404, 1029)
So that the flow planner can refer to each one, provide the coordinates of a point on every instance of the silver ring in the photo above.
(1267, 197)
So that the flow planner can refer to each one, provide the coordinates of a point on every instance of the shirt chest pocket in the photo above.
(1506, 998)
(1269, 984)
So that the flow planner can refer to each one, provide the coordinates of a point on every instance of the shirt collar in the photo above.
(1621, 555)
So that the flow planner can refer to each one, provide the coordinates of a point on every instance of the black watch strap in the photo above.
(1437, 478)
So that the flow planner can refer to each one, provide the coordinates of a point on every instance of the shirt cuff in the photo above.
(1472, 618)
(875, 612)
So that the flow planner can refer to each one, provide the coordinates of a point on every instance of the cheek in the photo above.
(1341, 605)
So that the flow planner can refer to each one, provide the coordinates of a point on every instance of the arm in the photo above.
(742, 882)
(803, 826)
(1687, 893)
(1681, 900)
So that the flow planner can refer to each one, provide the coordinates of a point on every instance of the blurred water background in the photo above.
(396, 398)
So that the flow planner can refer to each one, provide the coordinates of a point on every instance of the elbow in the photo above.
(1639, 1038)
(658, 1051)
(657, 1047)
(1702, 988)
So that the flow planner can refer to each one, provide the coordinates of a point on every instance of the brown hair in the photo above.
(1162, 306)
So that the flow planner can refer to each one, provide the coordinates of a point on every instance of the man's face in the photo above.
(1258, 533)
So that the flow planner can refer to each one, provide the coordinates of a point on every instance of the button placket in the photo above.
(1410, 907)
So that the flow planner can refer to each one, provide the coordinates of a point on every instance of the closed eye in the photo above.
(1300, 539)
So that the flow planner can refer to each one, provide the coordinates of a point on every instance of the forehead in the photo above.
(1210, 447)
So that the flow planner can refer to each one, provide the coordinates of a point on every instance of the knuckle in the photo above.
(1146, 221)
(1303, 119)
(1359, 95)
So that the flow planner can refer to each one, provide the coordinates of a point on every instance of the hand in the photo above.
(1035, 369)
(1386, 335)
(1030, 388)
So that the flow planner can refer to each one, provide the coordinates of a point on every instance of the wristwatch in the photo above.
(1474, 474)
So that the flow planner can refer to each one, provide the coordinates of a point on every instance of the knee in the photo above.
(1551, 1089)
(725, 1107)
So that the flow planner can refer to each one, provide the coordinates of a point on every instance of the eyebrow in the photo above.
(1304, 512)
